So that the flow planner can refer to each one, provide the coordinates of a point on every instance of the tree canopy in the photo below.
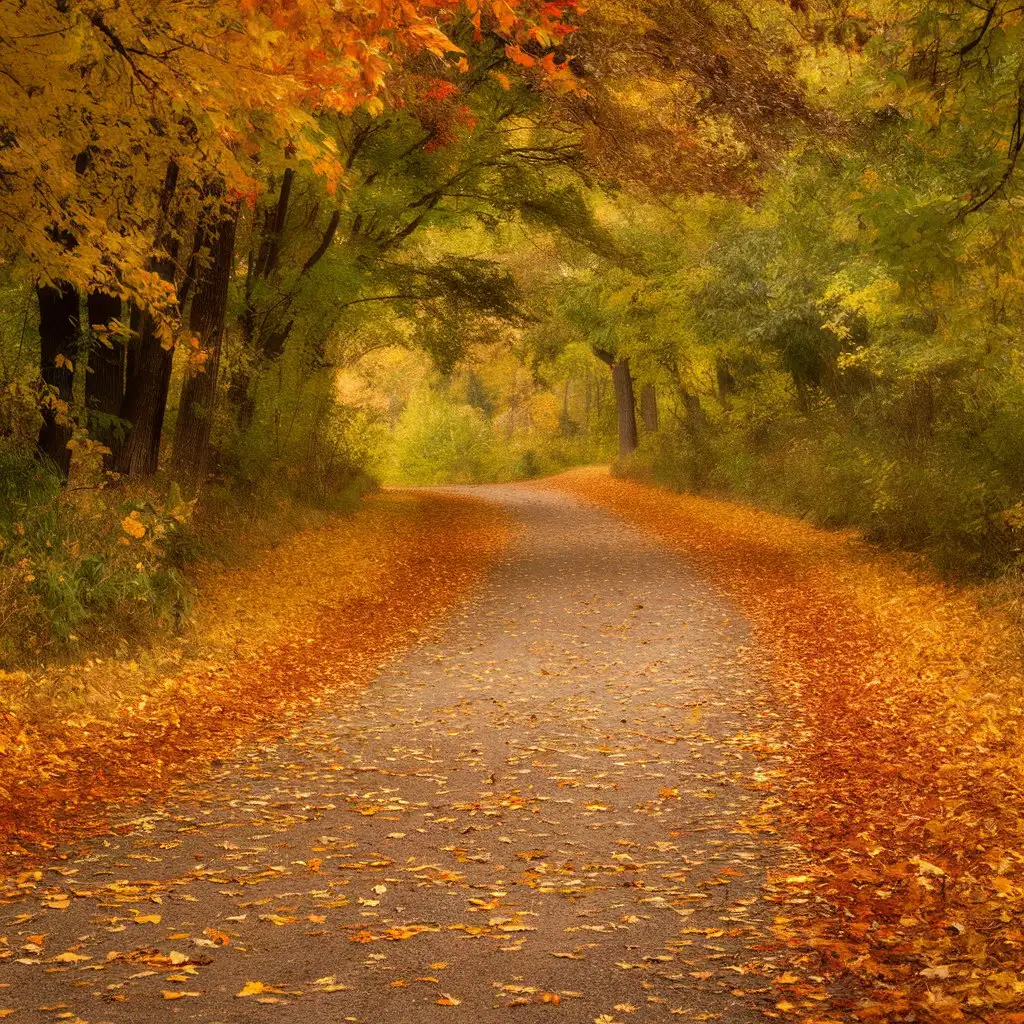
(762, 248)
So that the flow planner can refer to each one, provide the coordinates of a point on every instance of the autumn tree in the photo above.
(95, 182)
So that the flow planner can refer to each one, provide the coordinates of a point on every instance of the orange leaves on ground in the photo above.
(320, 612)
(133, 526)
(895, 728)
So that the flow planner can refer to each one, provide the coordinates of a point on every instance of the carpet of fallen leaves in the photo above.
(74, 739)
(896, 748)
(548, 809)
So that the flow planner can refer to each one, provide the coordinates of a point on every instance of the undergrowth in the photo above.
(101, 567)
(951, 500)
(440, 441)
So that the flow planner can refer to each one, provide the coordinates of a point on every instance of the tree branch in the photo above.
(325, 243)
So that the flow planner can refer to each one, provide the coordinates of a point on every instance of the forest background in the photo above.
(256, 258)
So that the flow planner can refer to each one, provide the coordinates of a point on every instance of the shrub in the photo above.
(87, 567)
(949, 497)
(438, 441)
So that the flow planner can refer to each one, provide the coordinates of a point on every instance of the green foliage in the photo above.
(953, 494)
(438, 441)
(846, 347)
(86, 569)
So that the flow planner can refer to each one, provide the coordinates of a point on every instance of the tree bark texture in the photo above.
(104, 381)
(149, 378)
(649, 408)
(206, 320)
(265, 337)
(625, 401)
(59, 317)
(626, 405)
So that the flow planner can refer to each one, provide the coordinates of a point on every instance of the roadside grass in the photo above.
(101, 569)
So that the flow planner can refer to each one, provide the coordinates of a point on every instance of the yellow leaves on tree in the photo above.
(105, 99)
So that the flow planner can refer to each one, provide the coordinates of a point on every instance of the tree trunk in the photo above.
(626, 406)
(59, 316)
(649, 408)
(104, 381)
(143, 405)
(625, 403)
(264, 338)
(696, 418)
(206, 320)
(149, 377)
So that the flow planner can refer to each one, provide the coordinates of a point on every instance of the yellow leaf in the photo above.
(251, 988)
(133, 526)
(148, 919)
(448, 1000)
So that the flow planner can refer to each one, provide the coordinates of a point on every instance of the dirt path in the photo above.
(545, 813)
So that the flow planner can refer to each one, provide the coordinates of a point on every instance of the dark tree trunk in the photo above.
(206, 320)
(626, 406)
(59, 316)
(143, 405)
(696, 418)
(104, 382)
(276, 233)
(264, 339)
(149, 377)
(649, 408)
(625, 402)
(258, 339)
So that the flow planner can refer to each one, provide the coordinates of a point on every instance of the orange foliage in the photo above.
(894, 740)
(97, 100)
(318, 613)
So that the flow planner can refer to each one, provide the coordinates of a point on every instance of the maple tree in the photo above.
(117, 119)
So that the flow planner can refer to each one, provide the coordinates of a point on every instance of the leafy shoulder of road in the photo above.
(895, 766)
(319, 611)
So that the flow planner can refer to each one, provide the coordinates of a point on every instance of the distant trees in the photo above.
(846, 345)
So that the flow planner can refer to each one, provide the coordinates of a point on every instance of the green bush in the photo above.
(437, 441)
(948, 496)
(83, 568)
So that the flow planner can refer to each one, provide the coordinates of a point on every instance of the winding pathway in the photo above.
(543, 812)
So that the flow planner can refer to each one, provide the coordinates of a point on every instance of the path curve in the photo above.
(544, 812)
